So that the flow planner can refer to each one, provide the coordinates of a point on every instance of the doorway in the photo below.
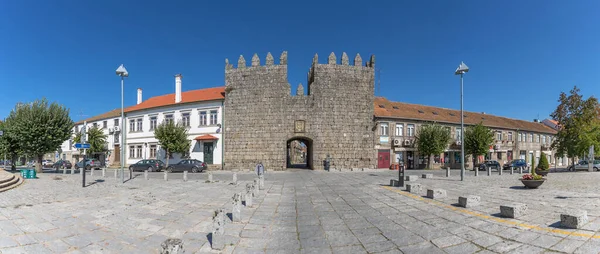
(383, 159)
(299, 153)
(410, 156)
(208, 152)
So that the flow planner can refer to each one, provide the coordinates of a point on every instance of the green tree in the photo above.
(543, 163)
(579, 127)
(172, 138)
(39, 127)
(96, 138)
(478, 139)
(432, 139)
(9, 147)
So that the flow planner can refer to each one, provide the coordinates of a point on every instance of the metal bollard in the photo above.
(521, 170)
(500, 171)
(64, 171)
(116, 173)
(476, 171)
(489, 171)
(103, 172)
(166, 177)
(185, 178)
(146, 174)
(512, 170)
(401, 174)
(448, 172)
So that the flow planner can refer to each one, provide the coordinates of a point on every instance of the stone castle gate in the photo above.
(334, 117)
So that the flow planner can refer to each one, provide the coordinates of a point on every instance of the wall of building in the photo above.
(145, 138)
(261, 114)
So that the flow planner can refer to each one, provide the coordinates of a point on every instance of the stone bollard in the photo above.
(72, 171)
(500, 171)
(414, 188)
(249, 194)
(103, 172)
(436, 193)
(64, 171)
(448, 172)
(521, 170)
(172, 246)
(512, 170)
(476, 171)
(573, 219)
(218, 230)
(91, 171)
(185, 178)
(255, 190)
(116, 173)
(427, 176)
(261, 182)
(236, 211)
(489, 171)
(146, 174)
(234, 181)
(210, 177)
(513, 210)
(166, 176)
(410, 178)
(469, 201)
(394, 183)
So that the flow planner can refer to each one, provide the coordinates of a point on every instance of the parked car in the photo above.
(583, 165)
(47, 163)
(192, 165)
(489, 164)
(150, 165)
(516, 164)
(89, 164)
(60, 164)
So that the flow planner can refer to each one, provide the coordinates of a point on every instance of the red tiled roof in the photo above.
(206, 137)
(207, 94)
(110, 114)
(388, 109)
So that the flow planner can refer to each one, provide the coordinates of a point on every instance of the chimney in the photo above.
(178, 88)
(139, 98)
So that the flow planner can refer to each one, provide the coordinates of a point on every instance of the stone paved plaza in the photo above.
(298, 212)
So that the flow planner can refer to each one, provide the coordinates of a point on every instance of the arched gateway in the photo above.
(264, 123)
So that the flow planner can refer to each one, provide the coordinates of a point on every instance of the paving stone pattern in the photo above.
(298, 212)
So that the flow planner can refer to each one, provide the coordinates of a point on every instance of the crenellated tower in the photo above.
(335, 116)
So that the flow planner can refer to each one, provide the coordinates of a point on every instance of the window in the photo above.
(384, 129)
(549, 139)
(95, 125)
(203, 118)
(131, 151)
(139, 151)
(185, 119)
(537, 138)
(152, 123)
(410, 130)
(498, 135)
(169, 118)
(140, 124)
(520, 137)
(399, 130)
(543, 139)
(458, 133)
(213, 117)
(104, 124)
(131, 125)
(499, 156)
(510, 136)
(116, 122)
(531, 137)
(153, 151)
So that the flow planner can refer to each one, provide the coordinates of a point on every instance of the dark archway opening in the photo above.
(299, 153)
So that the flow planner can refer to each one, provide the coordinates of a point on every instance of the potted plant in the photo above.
(543, 167)
(532, 181)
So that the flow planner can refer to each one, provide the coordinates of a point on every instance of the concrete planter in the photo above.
(533, 184)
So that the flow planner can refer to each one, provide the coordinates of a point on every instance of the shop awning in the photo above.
(206, 137)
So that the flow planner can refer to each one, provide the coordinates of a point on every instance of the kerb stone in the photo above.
(573, 219)
(414, 188)
(411, 178)
(469, 201)
(436, 193)
(427, 176)
(513, 210)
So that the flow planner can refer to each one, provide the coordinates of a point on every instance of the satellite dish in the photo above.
(218, 130)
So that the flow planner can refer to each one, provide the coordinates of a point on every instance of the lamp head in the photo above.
(121, 71)
(462, 68)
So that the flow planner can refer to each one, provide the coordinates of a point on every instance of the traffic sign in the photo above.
(82, 146)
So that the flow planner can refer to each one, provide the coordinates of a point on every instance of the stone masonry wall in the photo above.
(260, 113)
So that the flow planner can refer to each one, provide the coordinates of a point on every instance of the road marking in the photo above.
(488, 217)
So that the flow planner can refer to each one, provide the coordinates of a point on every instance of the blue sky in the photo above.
(521, 53)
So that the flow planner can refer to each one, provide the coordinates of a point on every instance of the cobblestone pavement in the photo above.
(298, 212)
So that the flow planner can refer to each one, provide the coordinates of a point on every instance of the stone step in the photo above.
(15, 182)
(6, 177)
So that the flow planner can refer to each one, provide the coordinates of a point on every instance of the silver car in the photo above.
(583, 165)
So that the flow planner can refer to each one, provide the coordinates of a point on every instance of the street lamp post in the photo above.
(122, 72)
(462, 69)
